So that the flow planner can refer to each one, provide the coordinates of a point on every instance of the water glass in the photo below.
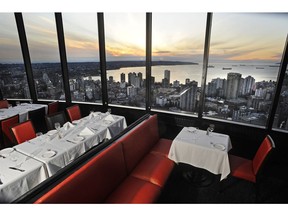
(57, 126)
(109, 110)
(210, 129)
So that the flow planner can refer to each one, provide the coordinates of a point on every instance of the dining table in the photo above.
(58, 148)
(21, 110)
(28, 164)
(201, 149)
(19, 173)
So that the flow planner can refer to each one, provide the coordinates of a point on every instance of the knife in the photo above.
(15, 168)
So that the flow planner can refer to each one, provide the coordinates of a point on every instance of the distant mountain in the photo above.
(120, 64)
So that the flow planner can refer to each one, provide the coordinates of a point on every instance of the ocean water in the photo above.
(260, 72)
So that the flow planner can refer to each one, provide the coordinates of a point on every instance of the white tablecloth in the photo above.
(21, 109)
(57, 152)
(15, 183)
(44, 155)
(209, 152)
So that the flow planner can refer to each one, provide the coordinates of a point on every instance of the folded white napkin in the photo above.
(94, 114)
(109, 118)
(68, 126)
(86, 132)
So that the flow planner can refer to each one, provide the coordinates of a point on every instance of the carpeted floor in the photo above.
(188, 184)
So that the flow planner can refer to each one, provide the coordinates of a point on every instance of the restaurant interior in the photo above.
(132, 154)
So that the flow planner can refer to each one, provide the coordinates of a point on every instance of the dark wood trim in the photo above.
(102, 55)
(63, 57)
(148, 59)
(205, 64)
(26, 55)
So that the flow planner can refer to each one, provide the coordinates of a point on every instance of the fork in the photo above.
(17, 166)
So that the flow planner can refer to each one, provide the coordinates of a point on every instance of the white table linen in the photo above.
(70, 142)
(15, 183)
(22, 110)
(44, 155)
(40, 151)
(209, 152)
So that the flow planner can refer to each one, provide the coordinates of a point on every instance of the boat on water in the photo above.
(225, 68)
(259, 67)
(211, 66)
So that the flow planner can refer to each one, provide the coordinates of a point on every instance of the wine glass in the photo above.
(57, 126)
(211, 127)
(108, 111)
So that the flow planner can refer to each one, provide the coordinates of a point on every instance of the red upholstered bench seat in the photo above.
(134, 169)
(154, 168)
(135, 190)
(162, 147)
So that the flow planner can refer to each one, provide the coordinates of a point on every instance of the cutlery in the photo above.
(71, 141)
(15, 168)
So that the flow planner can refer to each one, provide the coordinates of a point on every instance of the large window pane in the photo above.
(13, 79)
(125, 52)
(281, 116)
(44, 52)
(245, 52)
(177, 46)
(81, 40)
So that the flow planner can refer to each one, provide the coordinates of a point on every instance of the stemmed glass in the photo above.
(210, 128)
(57, 126)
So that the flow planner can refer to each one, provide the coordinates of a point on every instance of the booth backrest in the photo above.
(93, 182)
(137, 144)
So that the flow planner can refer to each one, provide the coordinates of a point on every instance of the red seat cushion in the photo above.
(242, 168)
(162, 147)
(74, 112)
(154, 168)
(134, 190)
(4, 104)
(93, 182)
(5, 126)
(23, 131)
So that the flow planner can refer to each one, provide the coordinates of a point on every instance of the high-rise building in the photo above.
(188, 97)
(247, 86)
(233, 84)
(167, 75)
(122, 77)
(111, 79)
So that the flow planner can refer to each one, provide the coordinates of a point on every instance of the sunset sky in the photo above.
(175, 36)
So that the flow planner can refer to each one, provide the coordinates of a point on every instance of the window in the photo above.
(44, 52)
(245, 52)
(13, 80)
(125, 53)
(281, 116)
(81, 40)
(177, 55)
